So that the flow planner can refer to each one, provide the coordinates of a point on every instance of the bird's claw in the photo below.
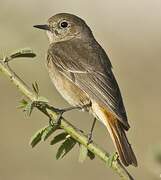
(39, 104)
(29, 106)
(57, 122)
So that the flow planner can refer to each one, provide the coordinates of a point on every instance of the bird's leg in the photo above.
(91, 132)
(60, 112)
(44, 106)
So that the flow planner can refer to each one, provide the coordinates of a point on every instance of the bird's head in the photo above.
(63, 27)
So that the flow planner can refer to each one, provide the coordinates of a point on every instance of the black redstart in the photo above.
(82, 73)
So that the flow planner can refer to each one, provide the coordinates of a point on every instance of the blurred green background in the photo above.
(130, 32)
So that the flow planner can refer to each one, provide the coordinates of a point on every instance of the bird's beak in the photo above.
(44, 27)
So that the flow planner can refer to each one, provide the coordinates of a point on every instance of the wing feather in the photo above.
(91, 68)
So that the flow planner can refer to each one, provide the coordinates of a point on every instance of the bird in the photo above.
(82, 73)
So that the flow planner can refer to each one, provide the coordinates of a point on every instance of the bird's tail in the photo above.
(118, 135)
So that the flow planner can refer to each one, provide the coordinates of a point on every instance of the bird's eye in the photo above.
(64, 24)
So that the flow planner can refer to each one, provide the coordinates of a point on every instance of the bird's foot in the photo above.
(29, 106)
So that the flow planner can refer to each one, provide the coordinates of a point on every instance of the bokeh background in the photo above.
(130, 32)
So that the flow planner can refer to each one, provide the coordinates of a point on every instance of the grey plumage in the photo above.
(82, 73)
(87, 65)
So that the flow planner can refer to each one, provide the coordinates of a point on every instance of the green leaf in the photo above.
(113, 157)
(29, 108)
(23, 104)
(58, 138)
(35, 87)
(37, 137)
(83, 152)
(65, 147)
(91, 155)
(48, 131)
(26, 52)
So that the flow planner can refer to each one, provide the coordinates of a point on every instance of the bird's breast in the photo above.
(70, 92)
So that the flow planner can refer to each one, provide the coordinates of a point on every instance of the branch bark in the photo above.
(116, 165)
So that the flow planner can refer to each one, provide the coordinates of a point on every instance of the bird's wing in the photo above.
(87, 65)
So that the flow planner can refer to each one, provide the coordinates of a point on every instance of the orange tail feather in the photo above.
(118, 135)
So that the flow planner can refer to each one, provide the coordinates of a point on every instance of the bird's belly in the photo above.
(70, 92)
